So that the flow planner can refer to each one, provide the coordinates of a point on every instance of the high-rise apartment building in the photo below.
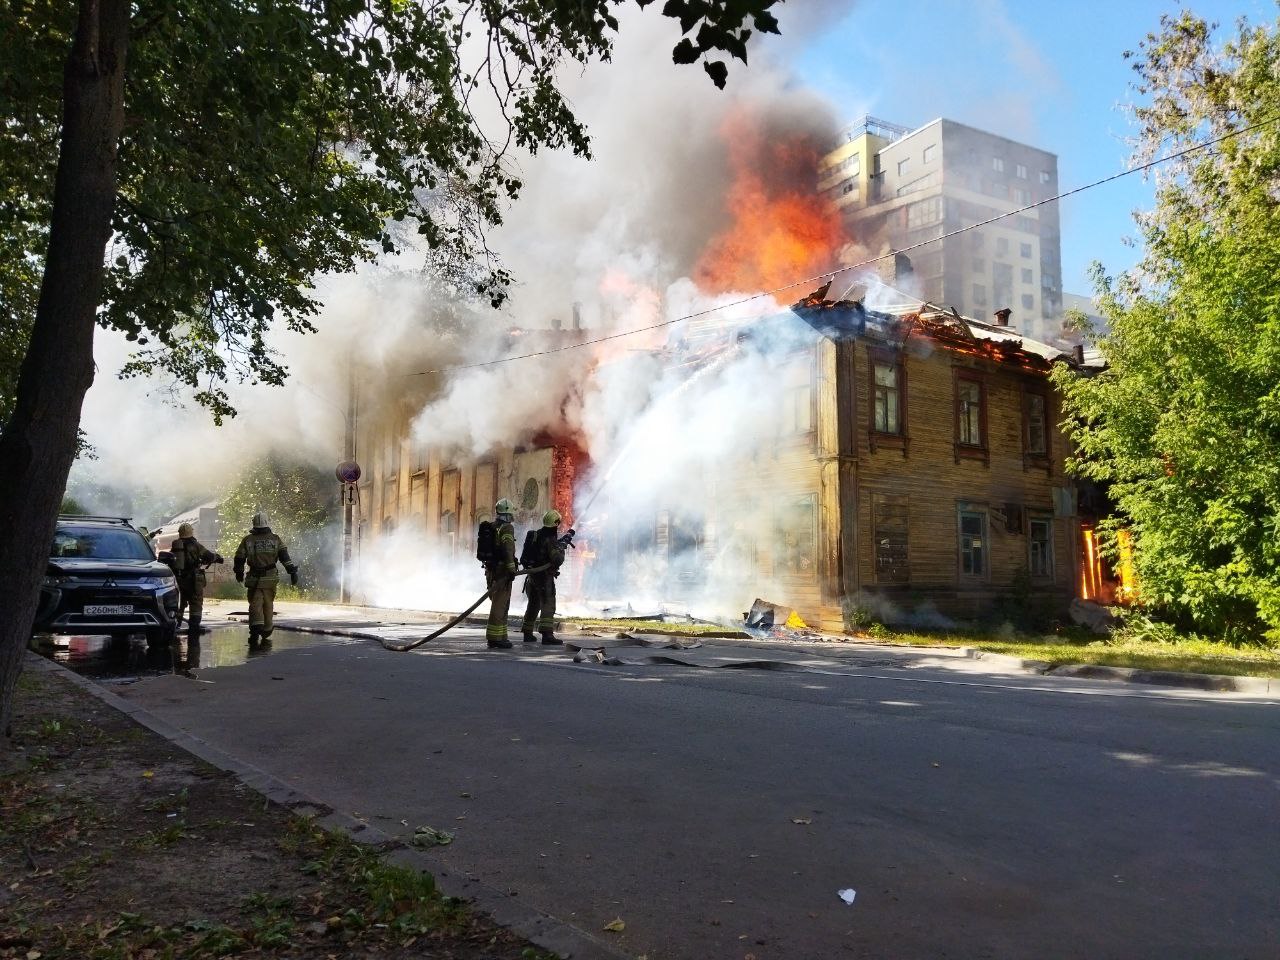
(898, 187)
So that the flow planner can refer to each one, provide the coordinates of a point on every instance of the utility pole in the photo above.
(348, 488)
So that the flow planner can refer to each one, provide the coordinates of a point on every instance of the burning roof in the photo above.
(896, 322)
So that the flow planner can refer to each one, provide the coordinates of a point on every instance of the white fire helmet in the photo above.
(503, 506)
(260, 519)
(551, 518)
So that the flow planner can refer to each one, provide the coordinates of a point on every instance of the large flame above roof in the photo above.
(780, 230)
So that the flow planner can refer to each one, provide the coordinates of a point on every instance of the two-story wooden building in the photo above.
(918, 472)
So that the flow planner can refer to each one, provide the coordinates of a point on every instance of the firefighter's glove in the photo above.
(293, 576)
(217, 558)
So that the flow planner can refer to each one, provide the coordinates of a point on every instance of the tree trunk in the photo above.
(38, 444)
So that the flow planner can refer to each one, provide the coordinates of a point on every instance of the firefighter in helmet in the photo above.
(499, 574)
(261, 550)
(544, 549)
(190, 558)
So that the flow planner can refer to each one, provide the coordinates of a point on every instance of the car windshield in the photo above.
(100, 543)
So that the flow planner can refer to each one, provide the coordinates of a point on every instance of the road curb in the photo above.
(1217, 682)
(1213, 682)
(540, 929)
(1005, 660)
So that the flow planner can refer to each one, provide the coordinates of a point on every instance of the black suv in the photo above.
(103, 578)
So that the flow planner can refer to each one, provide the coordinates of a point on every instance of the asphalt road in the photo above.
(717, 812)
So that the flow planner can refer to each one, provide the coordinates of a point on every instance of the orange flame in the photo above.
(780, 229)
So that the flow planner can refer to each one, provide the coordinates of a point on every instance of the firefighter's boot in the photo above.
(550, 639)
(254, 633)
(499, 643)
(530, 637)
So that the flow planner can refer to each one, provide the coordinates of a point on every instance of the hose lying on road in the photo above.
(407, 645)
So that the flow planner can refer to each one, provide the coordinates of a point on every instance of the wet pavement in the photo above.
(125, 659)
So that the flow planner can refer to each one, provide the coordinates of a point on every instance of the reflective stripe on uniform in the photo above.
(495, 631)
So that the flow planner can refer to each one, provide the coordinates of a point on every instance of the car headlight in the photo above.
(52, 581)
(164, 583)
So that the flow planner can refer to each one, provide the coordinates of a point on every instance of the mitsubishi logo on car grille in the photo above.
(110, 583)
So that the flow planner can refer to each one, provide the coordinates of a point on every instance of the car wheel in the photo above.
(162, 636)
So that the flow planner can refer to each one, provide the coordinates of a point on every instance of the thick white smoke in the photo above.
(619, 234)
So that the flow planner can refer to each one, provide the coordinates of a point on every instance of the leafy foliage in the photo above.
(1184, 424)
(267, 143)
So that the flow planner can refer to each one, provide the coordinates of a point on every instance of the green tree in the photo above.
(1184, 424)
(302, 503)
(228, 151)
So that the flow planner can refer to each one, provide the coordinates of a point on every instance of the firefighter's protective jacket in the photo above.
(261, 550)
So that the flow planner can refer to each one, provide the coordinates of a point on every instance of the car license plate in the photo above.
(107, 609)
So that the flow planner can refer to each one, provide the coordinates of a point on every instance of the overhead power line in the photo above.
(831, 274)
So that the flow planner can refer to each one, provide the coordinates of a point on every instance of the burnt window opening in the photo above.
(972, 526)
(889, 519)
(1040, 547)
(795, 538)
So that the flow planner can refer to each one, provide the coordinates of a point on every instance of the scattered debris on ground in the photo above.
(114, 843)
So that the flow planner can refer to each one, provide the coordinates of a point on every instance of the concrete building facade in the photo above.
(898, 187)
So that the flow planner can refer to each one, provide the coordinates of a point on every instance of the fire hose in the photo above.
(405, 647)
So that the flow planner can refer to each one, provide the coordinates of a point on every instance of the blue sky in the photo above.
(1050, 74)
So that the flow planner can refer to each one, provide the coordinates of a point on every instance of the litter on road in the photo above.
(847, 895)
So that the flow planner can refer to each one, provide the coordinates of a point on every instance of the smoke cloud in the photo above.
(626, 237)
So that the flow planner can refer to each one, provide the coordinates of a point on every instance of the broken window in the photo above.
(970, 412)
(795, 538)
(889, 522)
(1040, 547)
(1037, 425)
(973, 542)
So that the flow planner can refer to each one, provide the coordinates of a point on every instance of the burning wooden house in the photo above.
(918, 473)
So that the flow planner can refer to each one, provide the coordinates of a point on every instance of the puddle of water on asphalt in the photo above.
(127, 658)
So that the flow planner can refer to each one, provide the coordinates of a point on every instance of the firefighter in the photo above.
(190, 558)
(499, 573)
(262, 550)
(545, 549)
